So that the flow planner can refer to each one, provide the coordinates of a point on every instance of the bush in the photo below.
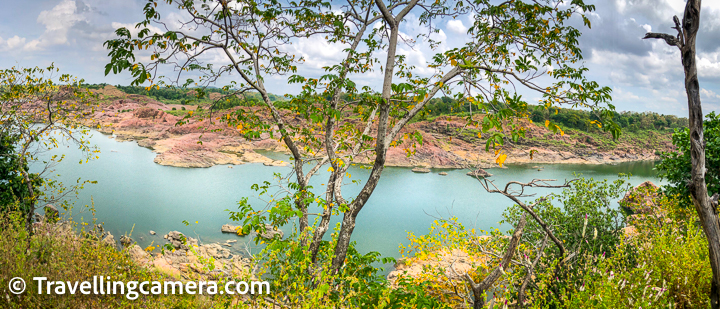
(665, 265)
(676, 166)
(299, 283)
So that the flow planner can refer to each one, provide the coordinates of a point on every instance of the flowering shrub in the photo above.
(357, 284)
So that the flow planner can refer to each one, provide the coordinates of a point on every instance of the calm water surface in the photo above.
(132, 190)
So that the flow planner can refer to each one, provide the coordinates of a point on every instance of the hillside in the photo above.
(447, 141)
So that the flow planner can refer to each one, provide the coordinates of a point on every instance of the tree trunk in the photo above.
(698, 188)
(479, 289)
(348, 223)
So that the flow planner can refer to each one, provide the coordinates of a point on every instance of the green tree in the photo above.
(40, 111)
(675, 166)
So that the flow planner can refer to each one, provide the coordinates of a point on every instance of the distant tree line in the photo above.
(576, 119)
(570, 118)
(187, 95)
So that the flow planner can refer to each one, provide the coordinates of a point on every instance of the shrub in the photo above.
(298, 282)
(665, 265)
(675, 166)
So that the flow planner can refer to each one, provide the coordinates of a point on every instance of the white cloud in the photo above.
(456, 26)
(708, 65)
(14, 42)
(318, 52)
(621, 94)
(58, 22)
(709, 94)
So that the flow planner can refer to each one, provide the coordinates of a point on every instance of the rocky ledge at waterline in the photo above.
(447, 143)
(187, 258)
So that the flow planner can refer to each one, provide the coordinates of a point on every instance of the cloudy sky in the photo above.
(645, 75)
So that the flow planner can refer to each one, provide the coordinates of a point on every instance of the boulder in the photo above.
(454, 263)
(164, 266)
(479, 173)
(126, 241)
(228, 228)
(215, 251)
(179, 241)
(271, 232)
(275, 163)
(138, 254)
(109, 240)
(421, 170)
(152, 232)
(442, 174)
(640, 200)
(629, 231)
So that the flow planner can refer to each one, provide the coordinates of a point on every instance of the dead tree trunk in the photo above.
(479, 289)
(705, 206)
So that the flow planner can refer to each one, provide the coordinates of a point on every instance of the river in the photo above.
(132, 192)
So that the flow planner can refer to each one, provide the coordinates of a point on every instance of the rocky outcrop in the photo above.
(270, 232)
(138, 254)
(51, 213)
(179, 241)
(126, 241)
(227, 228)
(203, 259)
(481, 173)
(640, 200)
(453, 263)
(447, 141)
(639, 204)
(109, 240)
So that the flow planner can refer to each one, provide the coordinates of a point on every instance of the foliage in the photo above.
(40, 111)
(223, 99)
(582, 217)
(675, 166)
(450, 240)
(584, 120)
(13, 191)
(358, 284)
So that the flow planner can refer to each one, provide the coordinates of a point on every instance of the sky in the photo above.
(645, 75)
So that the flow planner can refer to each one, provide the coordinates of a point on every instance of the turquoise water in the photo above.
(132, 192)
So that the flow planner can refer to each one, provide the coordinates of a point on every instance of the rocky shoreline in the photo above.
(181, 257)
(204, 144)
